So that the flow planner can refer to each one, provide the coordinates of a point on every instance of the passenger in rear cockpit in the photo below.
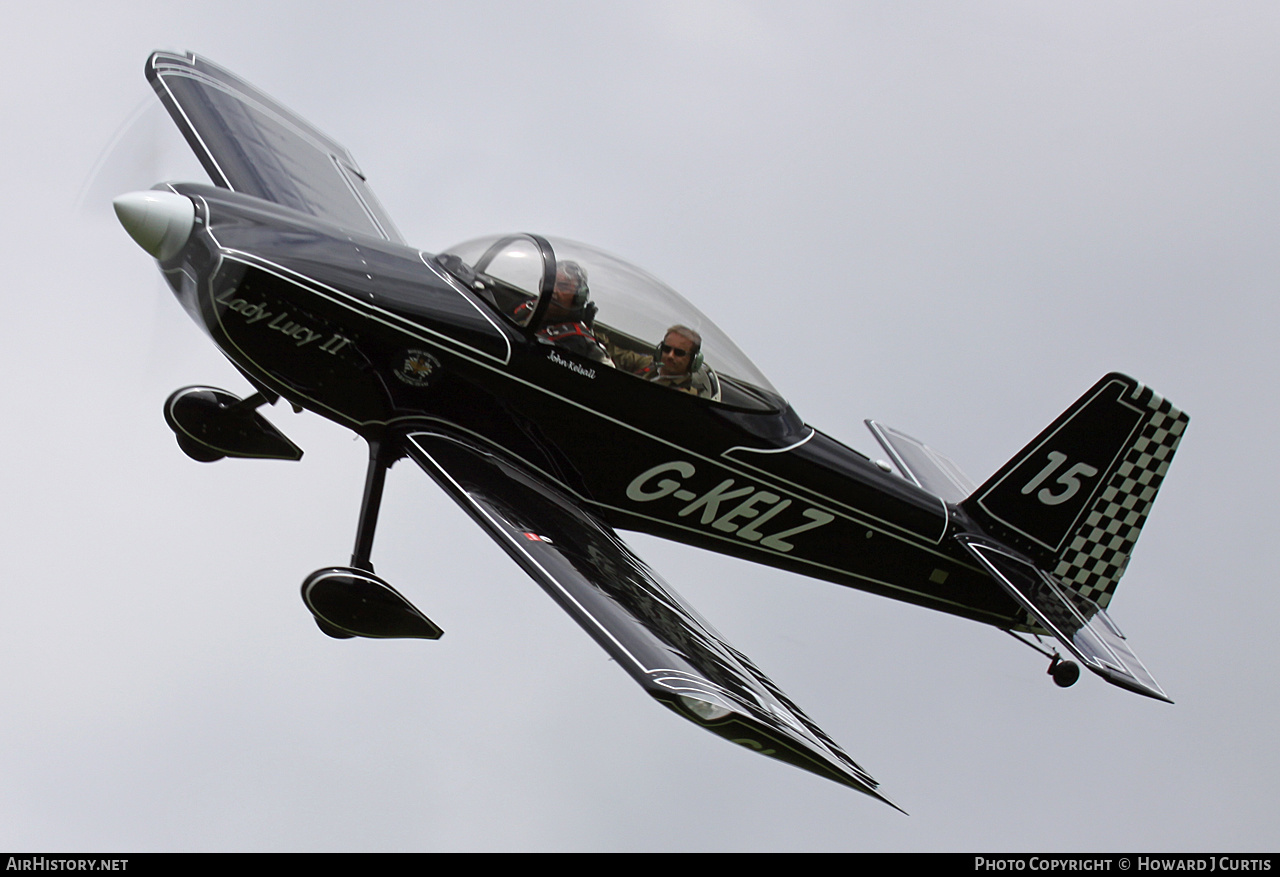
(675, 363)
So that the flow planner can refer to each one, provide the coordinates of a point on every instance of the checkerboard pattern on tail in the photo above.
(1092, 563)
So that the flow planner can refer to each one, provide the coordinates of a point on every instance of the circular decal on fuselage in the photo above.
(418, 368)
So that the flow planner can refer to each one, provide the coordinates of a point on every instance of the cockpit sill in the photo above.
(780, 427)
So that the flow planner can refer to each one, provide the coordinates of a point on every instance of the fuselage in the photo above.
(379, 338)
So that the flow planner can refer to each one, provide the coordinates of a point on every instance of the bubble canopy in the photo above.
(632, 308)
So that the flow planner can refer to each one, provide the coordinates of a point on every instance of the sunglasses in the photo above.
(675, 351)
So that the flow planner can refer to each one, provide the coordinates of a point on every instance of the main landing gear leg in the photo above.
(351, 601)
(374, 480)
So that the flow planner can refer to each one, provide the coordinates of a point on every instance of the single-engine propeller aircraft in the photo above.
(556, 393)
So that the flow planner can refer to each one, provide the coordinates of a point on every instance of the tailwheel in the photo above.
(1064, 673)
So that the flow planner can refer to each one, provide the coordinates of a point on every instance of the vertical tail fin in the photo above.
(1076, 497)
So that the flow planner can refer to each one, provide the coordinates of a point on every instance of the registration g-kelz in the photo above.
(745, 509)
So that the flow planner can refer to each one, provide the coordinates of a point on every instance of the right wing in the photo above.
(675, 656)
(250, 143)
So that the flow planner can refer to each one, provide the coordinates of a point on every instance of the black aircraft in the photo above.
(558, 393)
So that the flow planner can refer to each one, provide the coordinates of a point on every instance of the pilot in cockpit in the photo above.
(570, 318)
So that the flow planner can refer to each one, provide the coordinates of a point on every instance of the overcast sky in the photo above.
(951, 217)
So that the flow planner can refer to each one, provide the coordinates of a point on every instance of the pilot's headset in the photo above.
(685, 332)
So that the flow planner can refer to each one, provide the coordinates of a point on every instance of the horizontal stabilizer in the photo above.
(1077, 622)
(922, 465)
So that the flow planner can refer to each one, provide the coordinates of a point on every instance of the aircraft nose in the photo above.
(160, 222)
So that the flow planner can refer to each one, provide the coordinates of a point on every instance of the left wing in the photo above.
(248, 142)
(631, 613)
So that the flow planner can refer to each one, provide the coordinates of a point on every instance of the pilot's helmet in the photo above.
(576, 278)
